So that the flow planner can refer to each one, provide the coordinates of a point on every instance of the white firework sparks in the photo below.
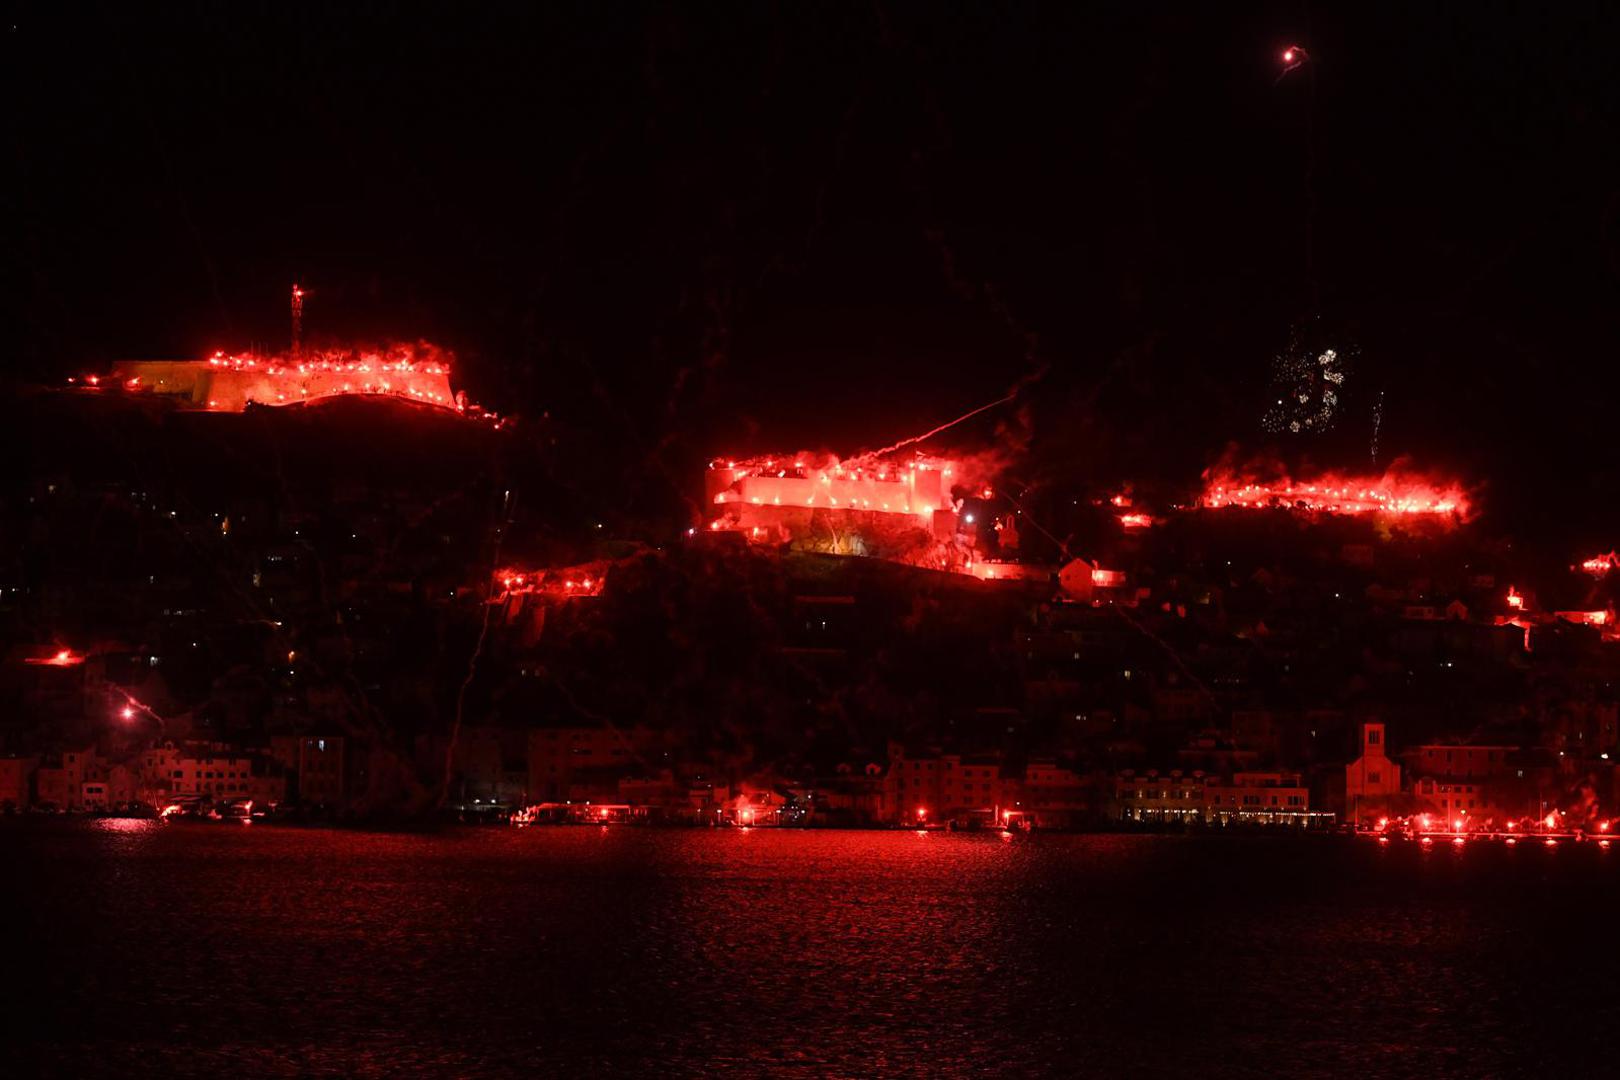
(1378, 422)
(1309, 386)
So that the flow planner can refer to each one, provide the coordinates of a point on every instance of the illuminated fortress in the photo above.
(920, 510)
(230, 383)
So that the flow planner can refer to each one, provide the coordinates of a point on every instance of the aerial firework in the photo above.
(1293, 58)
(1378, 422)
(1308, 385)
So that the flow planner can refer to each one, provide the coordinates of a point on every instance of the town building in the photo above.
(1158, 798)
(927, 787)
(1260, 798)
(214, 773)
(569, 761)
(1248, 798)
(1051, 796)
(17, 782)
(317, 764)
(1372, 782)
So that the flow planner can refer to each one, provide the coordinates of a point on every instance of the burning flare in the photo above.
(918, 485)
(229, 382)
(1600, 565)
(1397, 493)
(583, 580)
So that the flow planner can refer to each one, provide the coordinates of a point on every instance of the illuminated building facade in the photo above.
(906, 510)
(318, 762)
(224, 382)
(919, 510)
(232, 383)
(1374, 778)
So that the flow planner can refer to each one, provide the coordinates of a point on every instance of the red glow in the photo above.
(132, 705)
(1135, 521)
(922, 813)
(1008, 571)
(1402, 494)
(1383, 823)
(1552, 820)
(1588, 618)
(1514, 600)
(224, 382)
(918, 485)
(586, 579)
(60, 658)
(901, 506)
(1599, 565)
(1108, 579)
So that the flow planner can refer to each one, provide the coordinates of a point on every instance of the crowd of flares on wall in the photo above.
(1397, 493)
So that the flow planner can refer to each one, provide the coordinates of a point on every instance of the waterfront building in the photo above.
(317, 765)
(1373, 780)
(1260, 798)
(589, 759)
(1051, 796)
(931, 788)
(213, 773)
(1155, 798)
(1474, 783)
(1247, 798)
(853, 794)
(16, 782)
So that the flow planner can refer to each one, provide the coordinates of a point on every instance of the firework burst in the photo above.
(1308, 385)
(1293, 58)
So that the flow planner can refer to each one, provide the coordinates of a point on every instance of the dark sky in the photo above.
(715, 228)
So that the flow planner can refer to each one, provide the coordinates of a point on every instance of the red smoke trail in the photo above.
(944, 427)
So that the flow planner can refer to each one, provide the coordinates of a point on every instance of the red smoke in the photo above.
(1401, 492)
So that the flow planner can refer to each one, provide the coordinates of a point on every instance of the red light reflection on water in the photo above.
(126, 825)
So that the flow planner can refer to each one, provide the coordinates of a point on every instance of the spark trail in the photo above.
(946, 426)
(1378, 422)
(477, 653)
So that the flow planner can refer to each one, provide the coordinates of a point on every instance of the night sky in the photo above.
(758, 226)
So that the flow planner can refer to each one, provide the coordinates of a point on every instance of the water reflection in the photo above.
(126, 825)
(193, 949)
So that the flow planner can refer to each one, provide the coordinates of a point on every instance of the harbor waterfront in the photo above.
(191, 949)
